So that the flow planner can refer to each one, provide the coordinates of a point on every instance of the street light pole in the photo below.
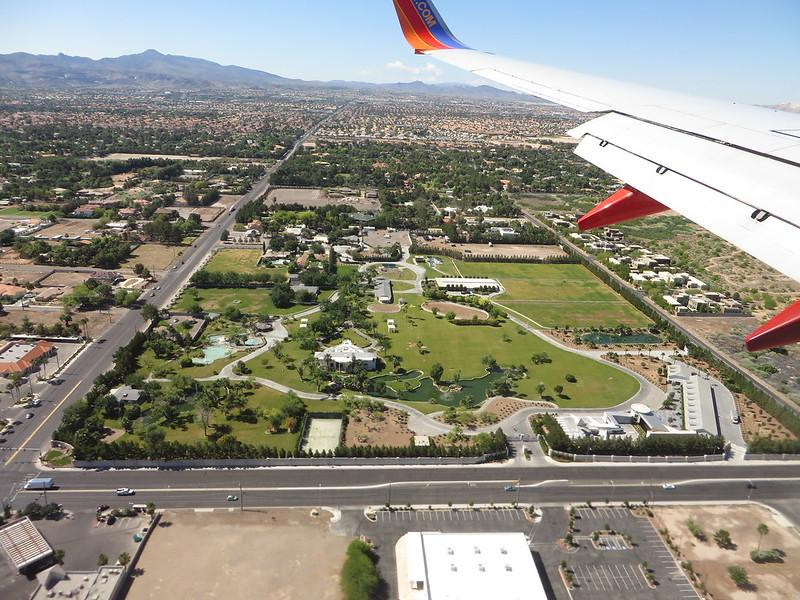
(241, 497)
(389, 499)
(519, 481)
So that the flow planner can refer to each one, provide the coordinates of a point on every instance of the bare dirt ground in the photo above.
(226, 201)
(318, 197)
(461, 312)
(756, 422)
(387, 428)
(777, 581)
(207, 214)
(98, 322)
(23, 275)
(155, 257)
(383, 308)
(379, 239)
(12, 257)
(275, 554)
(477, 251)
(64, 279)
(505, 407)
(646, 366)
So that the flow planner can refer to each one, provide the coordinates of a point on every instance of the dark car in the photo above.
(102, 508)
(111, 519)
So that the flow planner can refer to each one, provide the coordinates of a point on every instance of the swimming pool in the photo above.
(254, 341)
(215, 340)
(212, 354)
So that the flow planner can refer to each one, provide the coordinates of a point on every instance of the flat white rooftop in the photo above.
(466, 566)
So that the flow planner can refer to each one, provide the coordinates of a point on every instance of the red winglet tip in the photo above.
(782, 330)
(623, 205)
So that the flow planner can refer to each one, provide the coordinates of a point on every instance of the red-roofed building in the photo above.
(20, 357)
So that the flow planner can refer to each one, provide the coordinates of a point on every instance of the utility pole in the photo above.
(389, 499)
(518, 486)
(241, 497)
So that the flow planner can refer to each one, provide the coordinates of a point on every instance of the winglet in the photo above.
(624, 205)
(783, 330)
(424, 28)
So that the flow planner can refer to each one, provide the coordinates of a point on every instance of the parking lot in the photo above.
(612, 568)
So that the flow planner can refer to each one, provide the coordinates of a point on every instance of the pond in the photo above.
(610, 338)
(414, 387)
(212, 354)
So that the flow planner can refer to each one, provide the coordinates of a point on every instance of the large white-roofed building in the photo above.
(23, 543)
(468, 285)
(466, 566)
(346, 356)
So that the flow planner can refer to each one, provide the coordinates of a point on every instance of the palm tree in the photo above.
(540, 389)
(762, 530)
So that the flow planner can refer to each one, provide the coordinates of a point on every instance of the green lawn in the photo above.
(13, 212)
(248, 300)
(461, 348)
(238, 261)
(557, 295)
(399, 274)
(267, 365)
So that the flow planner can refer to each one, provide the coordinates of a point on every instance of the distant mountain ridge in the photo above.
(153, 70)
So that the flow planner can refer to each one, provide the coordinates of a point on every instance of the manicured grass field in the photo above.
(460, 348)
(238, 261)
(557, 295)
(12, 212)
(267, 365)
(247, 300)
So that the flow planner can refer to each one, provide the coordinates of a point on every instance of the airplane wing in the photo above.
(733, 169)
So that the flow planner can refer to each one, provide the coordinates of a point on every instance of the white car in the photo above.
(125, 492)
(668, 486)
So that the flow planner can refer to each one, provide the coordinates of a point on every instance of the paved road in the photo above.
(22, 447)
(359, 487)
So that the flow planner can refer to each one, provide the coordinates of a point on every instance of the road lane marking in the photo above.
(42, 424)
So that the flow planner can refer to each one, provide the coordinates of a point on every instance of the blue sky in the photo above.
(745, 50)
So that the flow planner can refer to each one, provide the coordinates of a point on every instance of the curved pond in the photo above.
(212, 354)
(416, 387)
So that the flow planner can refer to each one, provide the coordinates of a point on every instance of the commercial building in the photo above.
(346, 357)
(103, 584)
(23, 543)
(21, 357)
(466, 566)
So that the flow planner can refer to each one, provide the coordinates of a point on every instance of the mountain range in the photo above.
(152, 70)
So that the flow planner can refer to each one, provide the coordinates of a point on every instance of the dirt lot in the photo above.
(462, 312)
(155, 257)
(98, 322)
(383, 308)
(207, 214)
(484, 250)
(276, 554)
(775, 581)
(64, 279)
(23, 275)
(378, 239)
(646, 366)
(12, 257)
(318, 197)
(71, 227)
(388, 428)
